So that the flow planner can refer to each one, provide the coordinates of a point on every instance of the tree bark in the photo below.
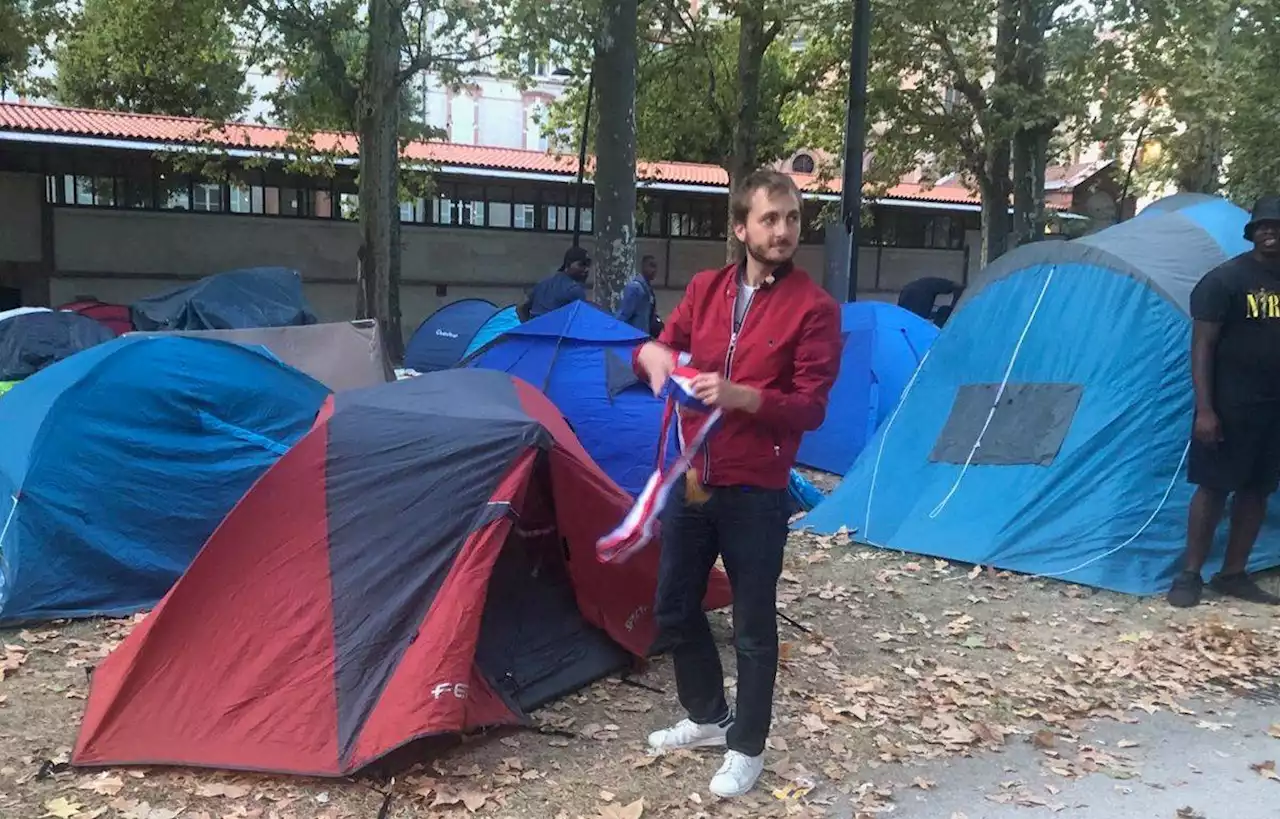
(1031, 141)
(615, 173)
(378, 291)
(752, 44)
(994, 176)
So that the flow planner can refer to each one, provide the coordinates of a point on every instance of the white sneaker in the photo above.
(737, 775)
(687, 734)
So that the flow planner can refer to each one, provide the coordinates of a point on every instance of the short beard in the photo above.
(763, 258)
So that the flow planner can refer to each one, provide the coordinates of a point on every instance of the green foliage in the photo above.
(173, 57)
(24, 29)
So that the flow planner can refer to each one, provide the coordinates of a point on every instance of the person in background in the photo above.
(921, 295)
(565, 286)
(767, 343)
(1235, 446)
(639, 305)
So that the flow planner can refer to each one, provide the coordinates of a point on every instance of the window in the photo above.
(95, 190)
(291, 202)
(511, 207)
(803, 163)
(349, 206)
(135, 191)
(207, 197)
(414, 211)
(322, 204)
(697, 218)
(1027, 427)
(174, 192)
(648, 216)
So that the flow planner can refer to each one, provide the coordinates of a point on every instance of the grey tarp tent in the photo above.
(342, 355)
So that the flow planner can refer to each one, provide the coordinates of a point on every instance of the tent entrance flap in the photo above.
(534, 644)
(1026, 428)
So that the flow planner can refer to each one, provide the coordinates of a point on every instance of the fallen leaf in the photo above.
(1266, 769)
(633, 811)
(923, 784)
(974, 641)
(1043, 739)
(474, 800)
(60, 807)
(1127, 743)
(1274, 730)
(103, 785)
(975, 572)
(606, 796)
(1189, 813)
(216, 789)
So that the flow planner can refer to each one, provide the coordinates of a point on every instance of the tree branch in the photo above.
(971, 90)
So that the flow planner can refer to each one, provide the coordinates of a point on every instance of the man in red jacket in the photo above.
(767, 342)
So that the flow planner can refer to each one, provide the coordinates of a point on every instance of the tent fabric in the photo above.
(22, 311)
(572, 354)
(1078, 470)
(421, 562)
(442, 340)
(499, 323)
(117, 464)
(343, 355)
(32, 341)
(883, 345)
(236, 299)
(116, 316)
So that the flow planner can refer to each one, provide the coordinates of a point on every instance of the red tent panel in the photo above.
(213, 658)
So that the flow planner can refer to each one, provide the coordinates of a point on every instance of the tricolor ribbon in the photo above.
(639, 526)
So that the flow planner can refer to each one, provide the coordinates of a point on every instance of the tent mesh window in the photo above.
(1027, 427)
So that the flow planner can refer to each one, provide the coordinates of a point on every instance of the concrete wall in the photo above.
(120, 256)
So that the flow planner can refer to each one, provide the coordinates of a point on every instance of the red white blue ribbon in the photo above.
(642, 522)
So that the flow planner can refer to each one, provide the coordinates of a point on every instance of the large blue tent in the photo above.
(1047, 429)
(883, 345)
(117, 464)
(455, 331)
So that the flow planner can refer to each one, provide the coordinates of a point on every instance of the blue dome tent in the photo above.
(497, 324)
(117, 464)
(580, 357)
(449, 334)
(1047, 429)
(883, 345)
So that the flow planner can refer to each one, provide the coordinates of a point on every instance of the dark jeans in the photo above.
(748, 527)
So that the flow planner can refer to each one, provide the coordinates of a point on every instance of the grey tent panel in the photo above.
(344, 355)
(1028, 426)
(618, 373)
(1161, 248)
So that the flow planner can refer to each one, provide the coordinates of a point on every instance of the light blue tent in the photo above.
(883, 345)
(117, 464)
(1047, 429)
(497, 324)
(455, 331)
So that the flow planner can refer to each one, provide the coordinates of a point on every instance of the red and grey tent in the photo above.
(422, 562)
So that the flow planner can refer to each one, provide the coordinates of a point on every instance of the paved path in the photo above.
(1177, 763)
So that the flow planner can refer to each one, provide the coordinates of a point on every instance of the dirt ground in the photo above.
(894, 660)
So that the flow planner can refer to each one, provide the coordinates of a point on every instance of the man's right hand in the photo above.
(1208, 428)
(657, 361)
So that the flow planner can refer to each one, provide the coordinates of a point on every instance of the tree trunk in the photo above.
(998, 126)
(615, 174)
(752, 44)
(1031, 141)
(379, 285)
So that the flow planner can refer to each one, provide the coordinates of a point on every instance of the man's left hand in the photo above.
(715, 390)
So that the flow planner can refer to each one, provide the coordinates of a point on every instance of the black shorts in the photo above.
(1247, 458)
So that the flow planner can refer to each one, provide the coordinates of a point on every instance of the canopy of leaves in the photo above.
(174, 57)
(1201, 77)
(25, 26)
(934, 96)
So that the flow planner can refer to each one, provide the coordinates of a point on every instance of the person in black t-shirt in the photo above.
(1235, 446)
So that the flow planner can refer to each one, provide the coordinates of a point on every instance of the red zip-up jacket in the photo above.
(788, 347)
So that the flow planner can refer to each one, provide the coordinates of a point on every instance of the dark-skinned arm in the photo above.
(1204, 345)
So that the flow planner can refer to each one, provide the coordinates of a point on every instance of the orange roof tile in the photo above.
(111, 125)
